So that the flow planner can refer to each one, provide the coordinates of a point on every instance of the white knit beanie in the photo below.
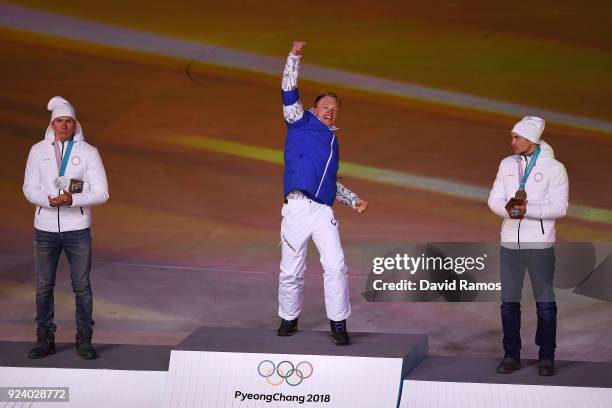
(60, 107)
(530, 127)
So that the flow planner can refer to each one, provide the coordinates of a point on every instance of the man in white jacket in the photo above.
(530, 192)
(62, 221)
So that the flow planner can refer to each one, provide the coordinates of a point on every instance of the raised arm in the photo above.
(292, 106)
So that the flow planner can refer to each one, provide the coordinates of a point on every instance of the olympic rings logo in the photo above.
(285, 371)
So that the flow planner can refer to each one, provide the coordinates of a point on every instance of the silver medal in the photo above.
(61, 183)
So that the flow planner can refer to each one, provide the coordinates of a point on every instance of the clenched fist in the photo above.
(298, 47)
(361, 205)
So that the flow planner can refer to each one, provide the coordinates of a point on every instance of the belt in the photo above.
(295, 195)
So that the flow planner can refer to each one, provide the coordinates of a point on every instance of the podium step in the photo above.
(482, 370)
(245, 367)
(111, 357)
(411, 347)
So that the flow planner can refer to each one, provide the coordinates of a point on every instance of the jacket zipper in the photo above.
(81, 210)
(518, 233)
(331, 153)
(39, 208)
(542, 226)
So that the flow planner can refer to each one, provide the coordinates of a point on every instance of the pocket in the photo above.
(293, 206)
(294, 214)
(44, 239)
(44, 212)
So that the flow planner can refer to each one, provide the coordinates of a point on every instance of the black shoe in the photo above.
(508, 365)
(287, 327)
(45, 343)
(83, 344)
(546, 368)
(339, 333)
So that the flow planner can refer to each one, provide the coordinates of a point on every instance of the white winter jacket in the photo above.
(547, 199)
(39, 182)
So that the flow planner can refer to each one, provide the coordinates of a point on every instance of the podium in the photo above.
(232, 367)
(467, 382)
(124, 376)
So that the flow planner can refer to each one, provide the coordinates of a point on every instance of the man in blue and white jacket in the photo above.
(62, 221)
(310, 189)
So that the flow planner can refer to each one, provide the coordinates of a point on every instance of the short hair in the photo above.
(330, 94)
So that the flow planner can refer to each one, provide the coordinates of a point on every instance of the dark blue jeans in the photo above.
(47, 249)
(540, 263)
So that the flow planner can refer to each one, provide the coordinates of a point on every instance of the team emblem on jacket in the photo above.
(76, 160)
(538, 177)
(334, 222)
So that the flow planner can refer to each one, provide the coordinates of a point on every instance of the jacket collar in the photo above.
(78, 134)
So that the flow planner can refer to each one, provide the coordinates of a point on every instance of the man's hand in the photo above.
(361, 205)
(63, 199)
(298, 47)
(67, 198)
(53, 202)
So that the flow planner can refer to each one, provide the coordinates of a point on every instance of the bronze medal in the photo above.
(76, 186)
(520, 195)
(518, 200)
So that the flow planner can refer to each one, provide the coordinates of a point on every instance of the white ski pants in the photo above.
(302, 219)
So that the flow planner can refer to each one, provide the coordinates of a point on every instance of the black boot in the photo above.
(45, 343)
(287, 327)
(508, 365)
(83, 344)
(339, 333)
(546, 368)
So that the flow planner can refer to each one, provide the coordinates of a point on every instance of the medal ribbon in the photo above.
(530, 167)
(62, 169)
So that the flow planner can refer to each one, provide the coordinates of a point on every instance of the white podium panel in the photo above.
(432, 394)
(126, 376)
(465, 382)
(89, 388)
(229, 379)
